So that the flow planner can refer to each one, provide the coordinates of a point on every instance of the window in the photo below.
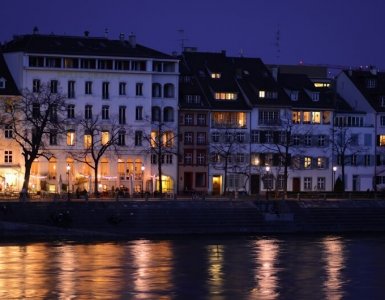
(35, 110)
(8, 156)
(201, 119)
(294, 95)
(201, 138)
(122, 115)
(307, 183)
(105, 90)
(53, 86)
(382, 121)
(321, 162)
(367, 160)
(321, 140)
(315, 96)
(382, 100)
(88, 88)
(326, 116)
(2, 83)
(105, 112)
(262, 94)
(354, 139)
(307, 140)
(296, 140)
(225, 96)
(155, 113)
(201, 158)
(371, 83)
(36, 61)
(188, 119)
(255, 136)
(105, 64)
(269, 137)
(296, 117)
(188, 157)
(88, 112)
(215, 75)
(306, 117)
(381, 140)
(168, 114)
(105, 137)
(169, 90)
(307, 162)
(71, 63)
(70, 138)
(70, 111)
(268, 181)
(240, 158)
(367, 139)
(53, 137)
(87, 141)
(139, 113)
(122, 88)
(156, 90)
(36, 85)
(188, 138)
(353, 160)
(321, 183)
(139, 89)
(53, 113)
(71, 89)
(316, 117)
(138, 138)
(241, 137)
(122, 138)
(268, 117)
(200, 179)
(8, 132)
(215, 137)
(53, 62)
(168, 159)
(228, 137)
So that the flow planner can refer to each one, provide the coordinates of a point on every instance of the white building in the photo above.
(118, 81)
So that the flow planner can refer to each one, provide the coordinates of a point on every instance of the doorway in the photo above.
(217, 184)
(296, 184)
(254, 184)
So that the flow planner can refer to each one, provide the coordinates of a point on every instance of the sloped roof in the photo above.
(76, 45)
(10, 85)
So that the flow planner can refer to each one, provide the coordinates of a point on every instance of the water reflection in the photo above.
(243, 268)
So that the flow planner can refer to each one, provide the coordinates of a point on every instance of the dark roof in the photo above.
(10, 85)
(373, 94)
(76, 45)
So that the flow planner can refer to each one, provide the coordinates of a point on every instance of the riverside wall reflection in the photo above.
(200, 268)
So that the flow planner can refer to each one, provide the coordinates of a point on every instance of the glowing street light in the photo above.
(334, 178)
(68, 181)
(142, 168)
(267, 168)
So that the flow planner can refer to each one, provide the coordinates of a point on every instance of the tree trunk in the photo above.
(96, 182)
(160, 176)
(24, 190)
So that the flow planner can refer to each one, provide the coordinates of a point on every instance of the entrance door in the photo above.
(356, 183)
(216, 185)
(296, 184)
(188, 181)
(254, 184)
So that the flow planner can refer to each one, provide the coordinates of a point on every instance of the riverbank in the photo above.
(128, 218)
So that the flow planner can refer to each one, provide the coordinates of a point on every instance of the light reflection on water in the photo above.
(325, 267)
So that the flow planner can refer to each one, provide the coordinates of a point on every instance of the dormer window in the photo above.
(371, 83)
(294, 95)
(225, 96)
(382, 101)
(262, 94)
(215, 75)
(315, 96)
(2, 83)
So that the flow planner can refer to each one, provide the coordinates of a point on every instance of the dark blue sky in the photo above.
(335, 32)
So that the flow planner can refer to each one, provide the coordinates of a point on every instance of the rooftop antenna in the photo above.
(106, 33)
(278, 44)
(182, 39)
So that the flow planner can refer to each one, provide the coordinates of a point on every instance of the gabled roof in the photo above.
(76, 45)
(373, 94)
(10, 85)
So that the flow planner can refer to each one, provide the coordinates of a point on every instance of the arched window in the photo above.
(169, 91)
(155, 112)
(156, 90)
(168, 114)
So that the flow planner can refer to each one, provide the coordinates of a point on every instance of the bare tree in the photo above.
(227, 152)
(161, 141)
(34, 118)
(98, 138)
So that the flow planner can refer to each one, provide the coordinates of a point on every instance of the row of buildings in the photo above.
(213, 123)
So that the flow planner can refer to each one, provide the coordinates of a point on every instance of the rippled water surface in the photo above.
(322, 267)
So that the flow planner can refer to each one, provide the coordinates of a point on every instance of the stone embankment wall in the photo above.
(126, 219)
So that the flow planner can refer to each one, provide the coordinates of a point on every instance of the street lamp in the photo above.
(267, 181)
(334, 177)
(142, 168)
(68, 181)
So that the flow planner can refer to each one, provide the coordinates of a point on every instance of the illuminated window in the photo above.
(87, 141)
(70, 138)
(321, 162)
(307, 162)
(296, 117)
(215, 75)
(225, 96)
(316, 117)
(262, 94)
(306, 117)
(168, 138)
(381, 140)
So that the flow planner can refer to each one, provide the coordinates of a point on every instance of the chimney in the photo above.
(35, 30)
(132, 40)
(373, 70)
(274, 72)
(106, 33)
(86, 33)
(223, 52)
(121, 37)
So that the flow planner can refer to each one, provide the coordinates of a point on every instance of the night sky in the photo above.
(335, 32)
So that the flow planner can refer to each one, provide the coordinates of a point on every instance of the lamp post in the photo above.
(267, 182)
(68, 182)
(334, 178)
(142, 168)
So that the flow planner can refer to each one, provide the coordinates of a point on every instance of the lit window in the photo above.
(70, 138)
(262, 94)
(306, 117)
(225, 96)
(381, 140)
(105, 137)
(296, 117)
(321, 163)
(215, 75)
(307, 162)
(316, 117)
(87, 141)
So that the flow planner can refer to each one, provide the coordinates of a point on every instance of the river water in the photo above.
(216, 267)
